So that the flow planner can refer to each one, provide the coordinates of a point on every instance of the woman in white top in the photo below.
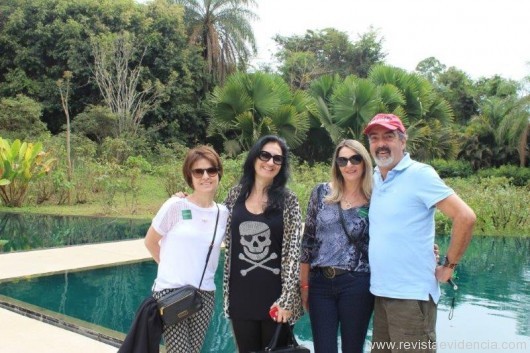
(178, 240)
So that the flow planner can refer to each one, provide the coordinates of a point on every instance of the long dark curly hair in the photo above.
(276, 192)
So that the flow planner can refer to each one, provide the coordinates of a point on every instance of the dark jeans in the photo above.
(255, 335)
(345, 299)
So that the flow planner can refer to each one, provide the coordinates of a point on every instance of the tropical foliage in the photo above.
(249, 106)
(36, 53)
(20, 164)
(344, 107)
(20, 117)
(222, 30)
(327, 52)
(180, 52)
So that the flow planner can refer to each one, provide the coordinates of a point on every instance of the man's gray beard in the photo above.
(384, 162)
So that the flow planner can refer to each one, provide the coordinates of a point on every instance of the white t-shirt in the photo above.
(187, 231)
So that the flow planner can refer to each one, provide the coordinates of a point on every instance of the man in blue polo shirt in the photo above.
(404, 273)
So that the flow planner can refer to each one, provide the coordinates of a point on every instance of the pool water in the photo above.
(492, 312)
(34, 231)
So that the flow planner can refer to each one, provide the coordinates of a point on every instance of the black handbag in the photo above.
(292, 345)
(185, 301)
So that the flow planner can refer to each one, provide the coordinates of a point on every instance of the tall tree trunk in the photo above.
(64, 102)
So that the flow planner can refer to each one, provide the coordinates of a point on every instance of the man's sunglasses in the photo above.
(354, 160)
(266, 156)
(199, 172)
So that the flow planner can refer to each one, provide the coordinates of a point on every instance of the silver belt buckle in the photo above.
(328, 272)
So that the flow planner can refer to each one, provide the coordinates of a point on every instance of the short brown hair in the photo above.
(197, 153)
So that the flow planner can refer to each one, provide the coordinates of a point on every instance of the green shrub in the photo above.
(167, 154)
(140, 163)
(116, 150)
(517, 176)
(172, 179)
(304, 178)
(501, 207)
(20, 118)
(452, 168)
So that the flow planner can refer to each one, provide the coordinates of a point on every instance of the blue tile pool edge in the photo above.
(98, 333)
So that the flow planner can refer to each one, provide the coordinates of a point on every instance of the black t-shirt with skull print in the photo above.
(255, 277)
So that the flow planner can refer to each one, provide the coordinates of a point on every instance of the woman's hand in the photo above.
(281, 314)
(181, 194)
(304, 293)
(437, 252)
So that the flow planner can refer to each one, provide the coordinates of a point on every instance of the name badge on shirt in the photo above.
(186, 214)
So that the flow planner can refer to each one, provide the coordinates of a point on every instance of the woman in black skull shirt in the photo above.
(263, 246)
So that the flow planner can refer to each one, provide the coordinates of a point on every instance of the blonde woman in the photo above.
(334, 271)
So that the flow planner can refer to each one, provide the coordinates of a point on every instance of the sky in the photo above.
(480, 37)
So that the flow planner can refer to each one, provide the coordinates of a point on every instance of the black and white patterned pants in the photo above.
(187, 336)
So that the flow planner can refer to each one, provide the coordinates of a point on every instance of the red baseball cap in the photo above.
(389, 121)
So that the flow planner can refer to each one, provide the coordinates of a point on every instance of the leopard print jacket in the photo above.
(290, 265)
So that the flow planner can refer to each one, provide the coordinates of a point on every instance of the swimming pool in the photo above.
(491, 315)
(108, 297)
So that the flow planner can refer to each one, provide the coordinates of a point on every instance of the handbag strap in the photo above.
(274, 340)
(350, 236)
(211, 245)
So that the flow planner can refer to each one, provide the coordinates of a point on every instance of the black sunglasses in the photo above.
(199, 172)
(354, 160)
(266, 156)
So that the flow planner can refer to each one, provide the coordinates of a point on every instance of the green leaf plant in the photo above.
(20, 164)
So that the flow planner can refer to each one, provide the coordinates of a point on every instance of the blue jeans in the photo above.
(344, 300)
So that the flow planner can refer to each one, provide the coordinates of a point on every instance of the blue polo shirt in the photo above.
(401, 217)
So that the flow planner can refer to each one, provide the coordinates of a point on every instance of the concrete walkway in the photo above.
(22, 334)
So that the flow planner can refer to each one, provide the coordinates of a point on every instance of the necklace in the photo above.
(348, 204)
(356, 200)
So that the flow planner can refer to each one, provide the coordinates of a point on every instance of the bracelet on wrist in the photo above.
(448, 263)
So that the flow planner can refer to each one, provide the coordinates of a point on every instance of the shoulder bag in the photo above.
(185, 301)
(354, 241)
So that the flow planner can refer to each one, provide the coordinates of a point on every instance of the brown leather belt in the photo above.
(330, 272)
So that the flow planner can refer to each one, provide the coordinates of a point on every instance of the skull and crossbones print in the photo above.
(256, 241)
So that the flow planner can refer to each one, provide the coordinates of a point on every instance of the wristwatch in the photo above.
(448, 264)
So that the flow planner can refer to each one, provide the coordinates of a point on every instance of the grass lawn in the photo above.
(150, 197)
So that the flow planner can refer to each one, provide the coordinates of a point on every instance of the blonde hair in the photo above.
(337, 181)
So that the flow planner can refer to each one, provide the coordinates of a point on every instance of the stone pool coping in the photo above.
(35, 263)
(27, 328)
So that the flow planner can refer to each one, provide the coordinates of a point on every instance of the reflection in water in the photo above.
(491, 314)
(28, 232)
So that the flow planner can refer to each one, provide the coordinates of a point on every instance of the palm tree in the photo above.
(483, 146)
(222, 29)
(515, 127)
(354, 102)
(427, 115)
(249, 106)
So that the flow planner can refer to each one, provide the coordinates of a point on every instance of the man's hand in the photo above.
(443, 274)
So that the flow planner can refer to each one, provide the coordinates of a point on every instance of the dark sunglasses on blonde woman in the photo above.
(266, 156)
(199, 172)
(354, 160)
